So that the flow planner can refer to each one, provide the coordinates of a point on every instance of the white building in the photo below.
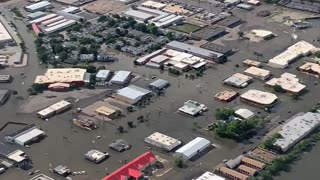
(54, 109)
(131, 94)
(193, 148)
(42, 5)
(258, 73)
(288, 82)
(59, 27)
(162, 141)
(5, 37)
(259, 98)
(102, 75)
(121, 77)
(210, 176)
(301, 48)
(95, 156)
(296, 129)
(244, 113)
(192, 108)
(29, 136)
(238, 80)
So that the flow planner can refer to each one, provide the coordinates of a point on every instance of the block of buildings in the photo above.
(209, 33)
(134, 168)
(121, 77)
(5, 37)
(4, 96)
(226, 96)
(162, 141)
(210, 176)
(119, 145)
(289, 82)
(258, 73)
(75, 76)
(95, 156)
(54, 109)
(192, 108)
(298, 50)
(259, 98)
(42, 5)
(131, 94)
(252, 163)
(102, 75)
(232, 174)
(249, 63)
(263, 155)
(296, 129)
(25, 136)
(193, 148)
(244, 113)
(238, 80)
(159, 84)
(310, 68)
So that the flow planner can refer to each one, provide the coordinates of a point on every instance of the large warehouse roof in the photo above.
(4, 34)
(133, 92)
(27, 137)
(38, 5)
(193, 146)
(210, 176)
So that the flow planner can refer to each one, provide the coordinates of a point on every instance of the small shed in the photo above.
(244, 113)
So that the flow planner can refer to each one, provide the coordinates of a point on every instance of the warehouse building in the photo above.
(192, 108)
(59, 27)
(238, 80)
(102, 75)
(298, 50)
(132, 94)
(95, 156)
(71, 9)
(162, 141)
(232, 174)
(42, 5)
(146, 58)
(247, 170)
(5, 37)
(225, 50)
(193, 148)
(35, 15)
(263, 34)
(153, 5)
(196, 51)
(121, 78)
(209, 33)
(288, 82)
(52, 20)
(210, 176)
(138, 15)
(250, 63)
(296, 129)
(25, 136)
(259, 98)
(54, 109)
(159, 85)
(310, 68)
(230, 22)
(4, 96)
(11, 156)
(41, 19)
(106, 112)
(258, 73)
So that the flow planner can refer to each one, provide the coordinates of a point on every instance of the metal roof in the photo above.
(159, 83)
(193, 146)
(103, 73)
(38, 5)
(26, 137)
(133, 92)
(120, 76)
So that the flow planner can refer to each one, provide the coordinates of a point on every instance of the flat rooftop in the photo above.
(288, 82)
(260, 97)
(4, 34)
(61, 75)
(163, 139)
(255, 71)
(311, 68)
(209, 32)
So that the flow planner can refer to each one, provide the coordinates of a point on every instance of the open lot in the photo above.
(103, 7)
(185, 28)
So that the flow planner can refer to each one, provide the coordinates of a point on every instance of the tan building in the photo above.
(247, 170)
(226, 96)
(162, 141)
(233, 174)
(258, 73)
(252, 163)
(289, 82)
(263, 155)
(106, 111)
(259, 98)
(250, 63)
(310, 68)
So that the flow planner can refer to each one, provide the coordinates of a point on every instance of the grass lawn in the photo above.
(186, 28)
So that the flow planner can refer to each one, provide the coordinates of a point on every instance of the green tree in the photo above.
(102, 18)
(39, 87)
(57, 48)
(178, 162)
(240, 34)
(141, 27)
(153, 29)
(169, 35)
(224, 113)
(91, 69)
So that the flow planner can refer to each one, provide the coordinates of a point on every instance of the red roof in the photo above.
(36, 29)
(133, 168)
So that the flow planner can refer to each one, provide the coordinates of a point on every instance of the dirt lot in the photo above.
(103, 7)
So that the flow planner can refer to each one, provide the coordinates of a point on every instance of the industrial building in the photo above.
(35, 15)
(71, 9)
(288, 82)
(95, 156)
(5, 78)
(162, 141)
(244, 113)
(244, 6)
(192, 108)
(225, 50)
(210, 176)
(247, 170)
(133, 168)
(238, 80)
(153, 5)
(54, 109)
(193, 50)
(41, 19)
(4, 96)
(146, 58)
(252, 163)
(262, 34)
(5, 37)
(75, 76)
(296, 129)
(310, 68)
(42, 5)
(226, 96)
(209, 33)
(298, 50)
(259, 98)
(26, 135)
(232, 174)
(263, 155)
(11, 156)
(250, 63)
(138, 15)
(121, 77)
(106, 112)
(131, 94)
(258, 73)
(193, 148)
(159, 85)
(59, 27)
(230, 22)
(102, 75)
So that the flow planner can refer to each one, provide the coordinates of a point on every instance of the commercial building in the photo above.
(146, 58)
(119, 145)
(41, 177)
(71, 10)
(75, 76)
(196, 51)
(132, 94)
(121, 77)
(263, 155)
(107, 112)
(258, 73)
(59, 87)
(263, 34)
(298, 50)
(289, 82)
(95, 156)
(35, 15)
(159, 84)
(247, 170)
(138, 15)
(153, 5)
(5, 37)
(230, 22)
(61, 170)
(232, 174)
(225, 50)
(26, 135)
(42, 5)
(245, 6)
(226, 96)
(133, 168)
(4, 96)
(310, 68)
(5, 78)
(238, 80)
(192, 108)
(250, 63)
(193, 148)
(59, 27)
(162, 141)
(56, 108)
(244, 113)
(210, 176)
(209, 33)
(259, 98)
(253, 163)
(102, 75)
(296, 129)
(11, 156)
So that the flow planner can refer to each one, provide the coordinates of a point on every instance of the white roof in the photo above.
(288, 82)
(38, 5)
(244, 113)
(133, 92)
(154, 4)
(52, 20)
(193, 146)
(172, 53)
(260, 97)
(60, 26)
(181, 56)
(26, 137)
(120, 76)
(159, 59)
(181, 65)
(138, 14)
(39, 20)
(55, 107)
(103, 73)
(311, 67)
(210, 176)
(70, 9)
(261, 33)
(61, 75)
(163, 139)
(17, 156)
(257, 71)
(296, 129)
(4, 34)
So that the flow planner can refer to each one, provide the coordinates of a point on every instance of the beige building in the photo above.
(66, 75)
(259, 98)
(232, 174)
(250, 63)
(106, 111)
(258, 73)
(162, 141)
(310, 68)
(263, 155)
(226, 96)
(288, 82)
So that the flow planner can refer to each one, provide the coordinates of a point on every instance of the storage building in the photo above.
(159, 84)
(102, 75)
(244, 113)
(95, 156)
(162, 141)
(54, 109)
(71, 9)
(193, 148)
(138, 15)
(132, 94)
(263, 155)
(42, 5)
(41, 19)
(247, 170)
(258, 73)
(252, 163)
(121, 77)
(50, 21)
(36, 15)
(192, 108)
(60, 26)
(25, 135)
(232, 174)
(238, 80)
